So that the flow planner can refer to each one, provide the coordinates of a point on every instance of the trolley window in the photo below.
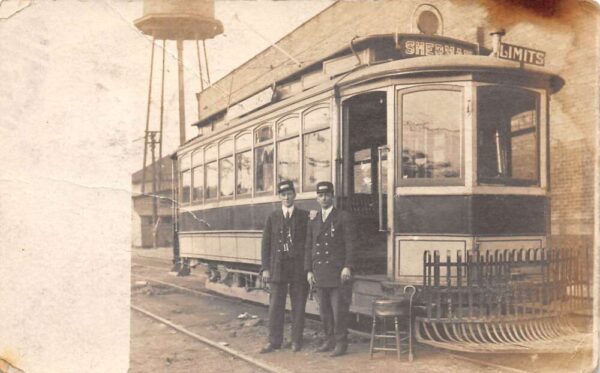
(210, 172)
(226, 170)
(264, 159)
(288, 150)
(243, 164)
(288, 127)
(185, 186)
(316, 147)
(507, 136)
(185, 183)
(197, 175)
(288, 161)
(431, 123)
(198, 183)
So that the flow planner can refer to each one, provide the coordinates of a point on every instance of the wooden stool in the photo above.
(397, 307)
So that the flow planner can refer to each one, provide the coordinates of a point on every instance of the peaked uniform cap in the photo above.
(285, 186)
(324, 187)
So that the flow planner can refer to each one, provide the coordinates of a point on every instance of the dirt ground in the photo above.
(157, 348)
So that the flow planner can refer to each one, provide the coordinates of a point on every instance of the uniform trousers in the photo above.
(298, 293)
(334, 309)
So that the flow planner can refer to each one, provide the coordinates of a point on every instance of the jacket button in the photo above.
(326, 243)
(326, 252)
(318, 253)
(327, 262)
(319, 262)
(317, 245)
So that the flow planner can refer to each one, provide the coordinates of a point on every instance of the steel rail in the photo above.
(230, 351)
(195, 292)
(486, 363)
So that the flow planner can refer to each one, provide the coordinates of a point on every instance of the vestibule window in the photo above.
(197, 175)
(316, 148)
(507, 136)
(431, 123)
(243, 164)
(263, 159)
(288, 150)
(186, 180)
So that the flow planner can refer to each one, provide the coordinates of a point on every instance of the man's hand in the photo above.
(346, 274)
(310, 277)
(265, 276)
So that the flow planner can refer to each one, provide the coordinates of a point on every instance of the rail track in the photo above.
(256, 362)
(230, 351)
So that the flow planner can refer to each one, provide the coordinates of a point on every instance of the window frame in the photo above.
(399, 132)
(208, 161)
(304, 132)
(183, 168)
(221, 156)
(239, 150)
(505, 181)
(194, 166)
(257, 145)
(282, 139)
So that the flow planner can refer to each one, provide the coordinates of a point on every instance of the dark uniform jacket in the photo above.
(329, 247)
(284, 266)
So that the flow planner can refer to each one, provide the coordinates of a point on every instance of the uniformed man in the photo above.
(282, 267)
(328, 262)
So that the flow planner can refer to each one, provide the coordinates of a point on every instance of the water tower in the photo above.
(179, 21)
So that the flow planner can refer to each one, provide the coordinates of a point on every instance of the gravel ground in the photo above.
(158, 348)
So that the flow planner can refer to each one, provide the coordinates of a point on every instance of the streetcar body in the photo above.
(460, 142)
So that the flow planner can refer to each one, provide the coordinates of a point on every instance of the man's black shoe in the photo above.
(296, 347)
(269, 348)
(326, 346)
(340, 350)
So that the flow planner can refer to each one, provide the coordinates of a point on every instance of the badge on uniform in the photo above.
(312, 214)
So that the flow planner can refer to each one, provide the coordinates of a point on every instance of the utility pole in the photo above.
(153, 143)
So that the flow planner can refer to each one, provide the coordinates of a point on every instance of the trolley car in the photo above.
(433, 144)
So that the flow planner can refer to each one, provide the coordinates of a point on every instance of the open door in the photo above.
(365, 177)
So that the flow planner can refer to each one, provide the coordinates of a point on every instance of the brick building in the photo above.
(142, 219)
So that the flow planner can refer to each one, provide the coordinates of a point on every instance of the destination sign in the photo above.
(417, 45)
(521, 54)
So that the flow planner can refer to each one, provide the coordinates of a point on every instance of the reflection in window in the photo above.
(243, 162)
(198, 183)
(226, 180)
(186, 182)
(317, 155)
(211, 180)
(288, 163)
(507, 135)
(263, 134)
(431, 124)
(264, 168)
(363, 172)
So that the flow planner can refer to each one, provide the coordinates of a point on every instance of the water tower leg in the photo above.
(181, 92)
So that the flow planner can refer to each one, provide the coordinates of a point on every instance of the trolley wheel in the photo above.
(213, 275)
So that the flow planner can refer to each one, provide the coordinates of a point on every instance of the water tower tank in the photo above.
(179, 19)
